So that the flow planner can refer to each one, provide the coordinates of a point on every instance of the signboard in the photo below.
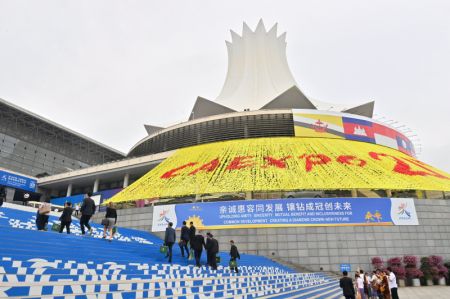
(288, 213)
(346, 267)
(17, 181)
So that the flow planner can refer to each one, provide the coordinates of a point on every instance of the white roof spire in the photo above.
(257, 68)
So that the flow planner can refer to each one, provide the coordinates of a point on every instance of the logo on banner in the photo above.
(403, 212)
(162, 215)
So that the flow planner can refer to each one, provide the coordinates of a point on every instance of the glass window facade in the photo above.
(27, 158)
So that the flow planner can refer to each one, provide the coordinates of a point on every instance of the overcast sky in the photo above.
(106, 68)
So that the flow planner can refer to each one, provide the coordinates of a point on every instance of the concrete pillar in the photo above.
(96, 183)
(389, 193)
(69, 190)
(126, 180)
(354, 193)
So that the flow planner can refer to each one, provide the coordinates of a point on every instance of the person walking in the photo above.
(169, 240)
(392, 280)
(384, 286)
(212, 248)
(42, 216)
(77, 209)
(346, 284)
(197, 244)
(360, 285)
(87, 210)
(234, 254)
(109, 221)
(192, 230)
(184, 239)
(66, 217)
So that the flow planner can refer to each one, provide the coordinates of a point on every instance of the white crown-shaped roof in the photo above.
(258, 70)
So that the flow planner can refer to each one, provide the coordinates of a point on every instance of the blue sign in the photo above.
(289, 212)
(17, 181)
(346, 267)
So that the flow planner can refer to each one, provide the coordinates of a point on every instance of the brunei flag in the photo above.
(318, 125)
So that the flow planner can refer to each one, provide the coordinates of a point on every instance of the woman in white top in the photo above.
(360, 285)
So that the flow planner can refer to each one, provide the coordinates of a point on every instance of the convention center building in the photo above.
(285, 175)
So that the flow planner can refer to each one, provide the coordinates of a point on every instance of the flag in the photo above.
(358, 129)
(404, 144)
(318, 125)
(385, 136)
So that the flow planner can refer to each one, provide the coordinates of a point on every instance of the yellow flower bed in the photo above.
(284, 163)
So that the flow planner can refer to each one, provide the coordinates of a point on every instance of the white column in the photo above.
(126, 180)
(96, 183)
(69, 190)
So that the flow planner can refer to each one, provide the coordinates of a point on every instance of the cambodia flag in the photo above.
(358, 129)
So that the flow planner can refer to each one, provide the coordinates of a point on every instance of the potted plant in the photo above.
(377, 263)
(438, 270)
(427, 270)
(447, 266)
(396, 264)
(413, 274)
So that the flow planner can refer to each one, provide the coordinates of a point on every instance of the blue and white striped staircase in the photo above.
(50, 265)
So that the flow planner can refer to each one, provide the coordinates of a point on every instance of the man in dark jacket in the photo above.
(191, 231)
(346, 284)
(212, 248)
(197, 244)
(184, 239)
(87, 210)
(234, 254)
(66, 218)
(169, 239)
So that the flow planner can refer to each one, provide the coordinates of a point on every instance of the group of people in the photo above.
(192, 242)
(87, 209)
(381, 284)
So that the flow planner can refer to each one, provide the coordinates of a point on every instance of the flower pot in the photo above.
(441, 281)
(401, 283)
(416, 282)
(430, 282)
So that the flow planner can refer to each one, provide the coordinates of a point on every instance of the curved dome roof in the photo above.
(284, 164)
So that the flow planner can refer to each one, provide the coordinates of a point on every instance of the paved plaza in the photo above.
(431, 292)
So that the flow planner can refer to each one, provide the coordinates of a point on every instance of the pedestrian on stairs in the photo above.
(66, 217)
(109, 221)
(191, 232)
(234, 254)
(77, 209)
(184, 239)
(212, 248)
(169, 240)
(346, 284)
(87, 210)
(197, 244)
